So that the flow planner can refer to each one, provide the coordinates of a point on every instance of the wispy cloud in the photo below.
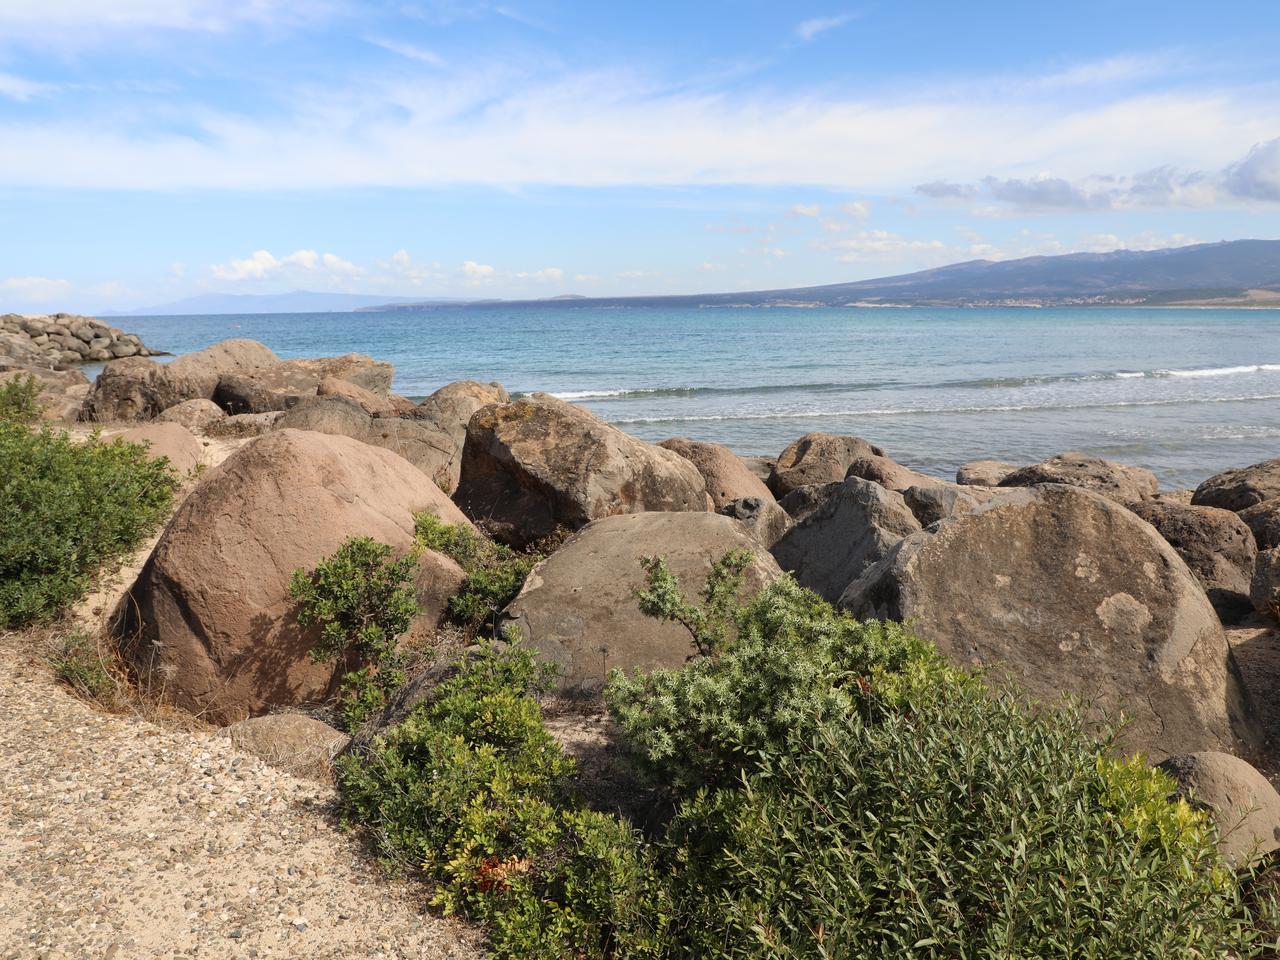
(408, 50)
(22, 89)
(806, 30)
(35, 289)
(263, 265)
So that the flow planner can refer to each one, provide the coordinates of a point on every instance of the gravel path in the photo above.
(122, 840)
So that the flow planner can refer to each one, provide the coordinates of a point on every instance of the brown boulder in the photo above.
(578, 607)
(817, 458)
(539, 463)
(216, 628)
(854, 524)
(1244, 805)
(1068, 593)
(984, 473)
(760, 467)
(243, 425)
(282, 385)
(62, 392)
(194, 376)
(1115, 481)
(452, 406)
(1264, 589)
(765, 520)
(388, 405)
(938, 501)
(134, 388)
(1242, 488)
(890, 474)
(1215, 544)
(1264, 520)
(196, 415)
(297, 744)
(172, 441)
(726, 476)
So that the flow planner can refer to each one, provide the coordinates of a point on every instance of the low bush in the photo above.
(68, 509)
(362, 600)
(495, 573)
(18, 399)
(474, 791)
(79, 663)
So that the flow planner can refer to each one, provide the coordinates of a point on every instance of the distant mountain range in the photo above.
(1231, 273)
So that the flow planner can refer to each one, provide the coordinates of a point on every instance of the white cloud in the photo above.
(477, 272)
(545, 275)
(263, 265)
(870, 246)
(710, 267)
(808, 29)
(65, 20)
(35, 289)
(408, 50)
(806, 210)
(22, 89)
(257, 266)
(856, 209)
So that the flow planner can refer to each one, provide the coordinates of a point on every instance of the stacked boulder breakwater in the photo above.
(65, 338)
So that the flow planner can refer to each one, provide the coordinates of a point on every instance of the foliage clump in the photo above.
(19, 399)
(363, 600)
(473, 790)
(495, 572)
(69, 508)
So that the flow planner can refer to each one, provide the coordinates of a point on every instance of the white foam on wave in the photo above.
(1130, 375)
(1222, 371)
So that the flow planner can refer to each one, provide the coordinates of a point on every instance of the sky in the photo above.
(152, 150)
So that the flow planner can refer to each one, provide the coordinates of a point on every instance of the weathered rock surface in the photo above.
(1264, 590)
(282, 385)
(817, 458)
(453, 405)
(726, 476)
(1242, 488)
(761, 467)
(172, 441)
(890, 474)
(578, 607)
(62, 392)
(420, 442)
(766, 521)
(855, 525)
(538, 463)
(1244, 805)
(1116, 481)
(136, 388)
(1215, 544)
(376, 405)
(302, 745)
(803, 501)
(984, 473)
(1264, 520)
(218, 630)
(938, 501)
(63, 338)
(244, 425)
(1067, 592)
(196, 415)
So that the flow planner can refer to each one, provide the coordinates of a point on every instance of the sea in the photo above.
(1183, 392)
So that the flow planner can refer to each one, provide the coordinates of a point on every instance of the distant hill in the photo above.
(1235, 272)
(299, 301)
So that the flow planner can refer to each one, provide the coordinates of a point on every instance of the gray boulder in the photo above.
(539, 463)
(1215, 544)
(984, 473)
(578, 607)
(854, 526)
(890, 474)
(1244, 805)
(938, 501)
(727, 477)
(1242, 488)
(1115, 481)
(1065, 592)
(766, 521)
(817, 458)
(196, 415)
(1264, 589)
(1264, 520)
(282, 385)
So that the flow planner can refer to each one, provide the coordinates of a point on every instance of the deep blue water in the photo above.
(1184, 392)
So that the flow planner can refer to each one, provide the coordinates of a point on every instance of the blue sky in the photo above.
(156, 149)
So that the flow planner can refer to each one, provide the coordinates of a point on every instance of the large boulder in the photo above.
(1264, 590)
(767, 521)
(984, 473)
(1264, 520)
(452, 406)
(420, 442)
(890, 474)
(1115, 481)
(136, 388)
(1066, 592)
(376, 405)
(1244, 805)
(938, 501)
(855, 525)
(761, 467)
(294, 742)
(817, 458)
(1217, 546)
(196, 415)
(578, 607)
(61, 392)
(172, 441)
(726, 476)
(539, 463)
(1241, 488)
(216, 630)
(282, 385)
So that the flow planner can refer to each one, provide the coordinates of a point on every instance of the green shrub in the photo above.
(68, 509)
(79, 664)
(363, 601)
(472, 789)
(18, 399)
(495, 573)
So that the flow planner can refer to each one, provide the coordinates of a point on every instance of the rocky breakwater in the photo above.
(65, 338)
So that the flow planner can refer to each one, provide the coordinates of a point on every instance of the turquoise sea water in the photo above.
(1184, 392)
